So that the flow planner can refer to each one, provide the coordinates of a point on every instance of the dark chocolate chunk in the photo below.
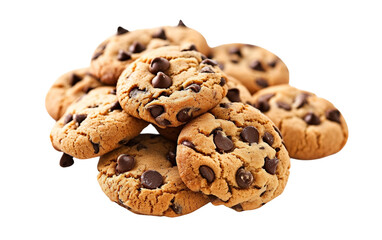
(268, 138)
(270, 165)
(181, 24)
(235, 50)
(194, 87)
(333, 115)
(256, 65)
(237, 208)
(262, 102)
(124, 163)
(123, 55)
(233, 95)
(151, 179)
(188, 144)
(284, 105)
(74, 79)
(115, 106)
(222, 142)
(171, 156)
(68, 118)
(121, 30)
(192, 47)
(224, 105)
(176, 208)
(250, 134)
(79, 118)
(210, 62)
(162, 121)
(161, 80)
(66, 160)
(136, 47)
(155, 110)
(184, 115)
(244, 178)
(160, 34)
(272, 64)
(207, 70)
(222, 81)
(312, 119)
(301, 100)
(159, 64)
(207, 173)
(263, 83)
(95, 147)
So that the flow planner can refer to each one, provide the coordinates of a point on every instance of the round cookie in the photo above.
(234, 153)
(142, 178)
(113, 55)
(312, 127)
(237, 92)
(67, 89)
(253, 66)
(169, 86)
(94, 125)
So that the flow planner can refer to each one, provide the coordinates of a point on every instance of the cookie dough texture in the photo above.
(67, 89)
(113, 55)
(94, 125)
(255, 67)
(235, 154)
(188, 86)
(170, 198)
(312, 127)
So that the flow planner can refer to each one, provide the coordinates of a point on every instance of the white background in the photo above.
(332, 48)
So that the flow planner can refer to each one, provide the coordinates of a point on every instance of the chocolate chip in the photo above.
(266, 97)
(97, 55)
(333, 115)
(66, 160)
(262, 102)
(74, 79)
(301, 100)
(161, 80)
(221, 66)
(192, 47)
(250, 134)
(224, 105)
(238, 208)
(233, 95)
(188, 144)
(263, 83)
(207, 173)
(95, 147)
(284, 105)
(115, 106)
(235, 61)
(256, 65)
(312, 119)
(184, 115)
(235, 50)
(222, 142)
(124, 163)
(181, 24)
(114, 91)
(123, 55)
(222, 81)
(176, 208)
(270, 165)
(194, 87)
(203, 56)
(278, 131)
(134, 92)
(140, 146)
(210, 62)
(162, 122)
(79, 118)
(121, 30)
(136, 47)
(68, 118)
(171, 156)
(277, 149)
(160, 34)
(268, 138)
(159, 64)
(87, 89)
(151, 179)
(207, 70)
(272, 64)
(155, 110)
(244, 178)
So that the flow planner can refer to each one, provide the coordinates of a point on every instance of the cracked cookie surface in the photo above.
(94, 125)
(312, 127)
(169, 86)
(67, 89)
(234, 153)
(113, 55)
(255, 67)
(143, 178)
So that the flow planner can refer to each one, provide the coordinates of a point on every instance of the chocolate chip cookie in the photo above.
(237, 92)
(67, 89)
(94, 125)
(312, 127)
(235, 154)
(113, 55)
(253, 66)
(142, 176)
(170, 85)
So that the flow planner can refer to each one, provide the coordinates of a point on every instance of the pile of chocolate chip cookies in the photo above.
(227, 120)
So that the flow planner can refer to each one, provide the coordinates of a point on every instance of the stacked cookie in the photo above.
(226, 118)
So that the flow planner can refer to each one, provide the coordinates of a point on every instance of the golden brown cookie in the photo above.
(235, 154)
(312, 127)
(113, 55)
(253, 66)
(67, 89)
(143, 178)
(170, 85)
(94, 125)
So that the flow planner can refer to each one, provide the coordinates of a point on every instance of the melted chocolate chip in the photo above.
(171, 156)
(256, 65)
(270, 165)
(333, 115)
(268, 138)
(312, 119)
(121, 30)
(284, 105)
(301, 100)
(235, 50)
(188, 144)
(250, 134)
(124, 163)
(136, 47)
(161, 80)
(68, 118)
(151, 179)
(207, 173)
(181, 24)
(263, 83)
(155, 110)
(95, 147)
(184, 115)
(115, 106)
(123, 55)
(79, 118)
(210, 62)
(74, 79)
(159, 64)
(233, 95)
(176, 208)
(207, 70)
(66, 160)
(160, 34)
(222, 142)
(222, 81)
(134, 92)
(194, 87)
(244, 178)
